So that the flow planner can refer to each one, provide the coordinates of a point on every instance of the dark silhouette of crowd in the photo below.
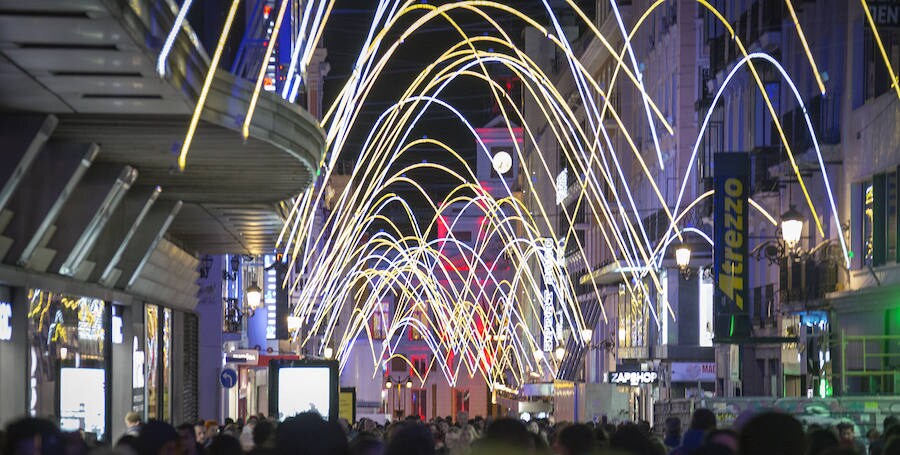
(766, 433)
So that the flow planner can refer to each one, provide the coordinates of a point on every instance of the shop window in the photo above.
(67, 362)
(418, 401)
(151, 360)
(166, 393)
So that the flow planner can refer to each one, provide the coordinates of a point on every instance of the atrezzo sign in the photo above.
(634, 378)
(731, 228)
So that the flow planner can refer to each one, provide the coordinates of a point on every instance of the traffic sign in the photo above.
(228, 378)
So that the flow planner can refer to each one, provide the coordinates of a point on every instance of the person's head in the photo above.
(872, 435)
(508, 432)
(772, 433)
(846, 432)
(820, 440)
(889, 422)
(891, 446)
(631, 439)
(462, 418)
(224, 444)
(188, 438)
(132, 419)
(577, 439)
(366, 444)
(412, 438)
(703, 419)
(673, 427)
(157, 438)
(210, 429)
(264, 434)
(127, 445)
(33, 436)
(723, 437)
(307, 434)
(199, 432)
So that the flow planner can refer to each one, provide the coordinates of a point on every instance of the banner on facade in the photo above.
(693, 372)
(730, 261)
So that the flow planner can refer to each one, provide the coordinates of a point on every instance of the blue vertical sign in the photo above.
(732, 227)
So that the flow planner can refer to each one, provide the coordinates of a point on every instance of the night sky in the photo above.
(344, 35)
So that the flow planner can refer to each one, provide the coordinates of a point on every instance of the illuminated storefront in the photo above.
(68, 362)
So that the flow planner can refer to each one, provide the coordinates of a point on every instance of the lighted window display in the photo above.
(868, 221)
(67, 336)
(167, 365)
(151, 359)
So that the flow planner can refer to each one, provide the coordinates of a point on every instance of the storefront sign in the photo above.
(633, 378)
(693, 372)
(5, 321)
(347, 404)
(547, 306)
(731, 224)
(243, 356)
(885, 14)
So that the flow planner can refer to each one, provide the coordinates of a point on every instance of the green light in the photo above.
(318, 172)
(731, 329)
(850, 254)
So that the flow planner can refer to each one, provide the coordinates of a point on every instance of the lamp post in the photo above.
(389, 384)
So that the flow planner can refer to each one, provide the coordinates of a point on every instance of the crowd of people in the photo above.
(767, 433)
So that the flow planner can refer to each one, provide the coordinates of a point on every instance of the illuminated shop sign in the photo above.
(693, 372)
(632, 378)
(730, 255)
(5, 321)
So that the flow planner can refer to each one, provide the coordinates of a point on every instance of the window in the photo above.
(877, 80)
(890, 204)
(867, 220)
(463, 236)
(380, 320)
(878, 220)
(762, 128)
(415, 332)
(461, 399)
(419, 364)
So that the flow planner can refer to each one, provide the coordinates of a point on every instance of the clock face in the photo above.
(502, 162)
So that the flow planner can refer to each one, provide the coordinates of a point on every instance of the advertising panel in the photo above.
(297, 386)
(82, 402)
(730, 255)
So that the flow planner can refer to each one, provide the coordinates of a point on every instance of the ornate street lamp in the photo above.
(587, 335)
(560, 353)
(683, 259)
(254, 295)
(791, 228)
